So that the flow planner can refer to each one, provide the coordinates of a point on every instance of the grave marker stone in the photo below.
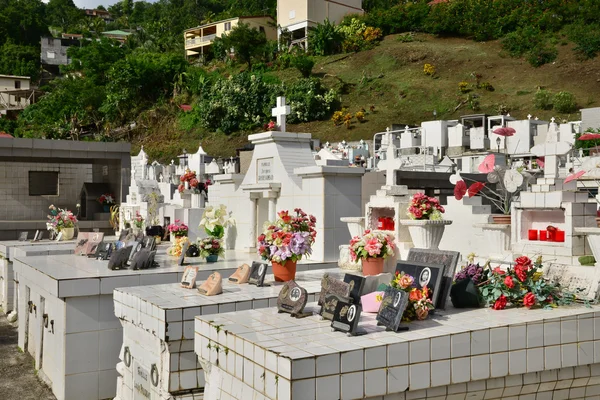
(330, 285)
(292, 299)
(103, 251)
(118, 259)
(346, 317)
(23, 236)
(330, 301)
(257, 273)
(449, 259)
(429, 275)
(355, 284)
(184, 249)
(189, 277)
(392, 308)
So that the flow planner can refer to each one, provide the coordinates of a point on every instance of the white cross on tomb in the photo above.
(281, 111)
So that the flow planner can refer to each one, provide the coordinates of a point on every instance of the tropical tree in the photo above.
(246, 42)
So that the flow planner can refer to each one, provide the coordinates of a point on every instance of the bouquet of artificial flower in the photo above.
(215, 220)
(464, 292)
(419, 300)
(106, 199)
(423, 207)
(195, 186)
(210, 246)
(371, 245)
(177, 247)
(523, 285)
(288, 238)
(178, 229)
(138, 220)
(59, 219)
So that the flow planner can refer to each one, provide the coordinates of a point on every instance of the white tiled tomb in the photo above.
(468, 354)
(158, 331)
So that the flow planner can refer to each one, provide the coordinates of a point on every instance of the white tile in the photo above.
(188, 380)
(397, 354)
(375, 382)
(551, 333)
(328, 365)
(535, 359)
(284, 389)
(420, 376)
(187, 361)
(585, 353)
(397, 379)
(499, 364)
(303, 368)
(270, 384)
(568, 331)
(375, 357)
(304, 388)
(82, 314)
(328, 387)
(248, 371)
(419, 351)
(480, 342)
(461, 370)
(352, 386)
(585, 329)
(440, 348)
(460, 345)
(109, 345)
(498, 339)
(517, 337)
(440, 373)
(568, 354)
(81, 352)
(352, 361)
(535, 335)
(480, 367)
(517, 362)
(552, 359)
(80, 386)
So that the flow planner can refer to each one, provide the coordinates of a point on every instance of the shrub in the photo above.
(357, 35)
(429, 69)
(406, 37)
(587, 39)
(542, 99)
(360, 116)
(338, 118)
(464, 87)
(325, 39)
(522, 40)
(486, 86)
(564, 102)
(348, 120)
(542, 54)
(304, 64)
(309, 100)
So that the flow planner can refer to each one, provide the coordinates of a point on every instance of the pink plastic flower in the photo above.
(373, 247)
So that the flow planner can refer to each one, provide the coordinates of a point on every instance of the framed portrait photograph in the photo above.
(430, 275)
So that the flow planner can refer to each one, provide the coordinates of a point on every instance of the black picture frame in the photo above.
(346, 317)
(184, 248)
(392, 308)
(258, 271)
(449, 259)
(427, 274)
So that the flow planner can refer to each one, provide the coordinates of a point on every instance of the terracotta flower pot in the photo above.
(372, 266)
(422, 314)
(501, 219)
(284, 273)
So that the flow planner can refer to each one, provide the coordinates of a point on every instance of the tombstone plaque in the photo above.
(355, 283)
(135, 247)
(189, 277)
(330, 285)
(103, 251)
(392, 308)
(429, 275)
(140, 259)
(330, 301)
(118, 259)
(346, 317)
(23, 236)
(292, 299)
(184, 249)
(449, 259)
(257, 273)
(149, 242)
(87, 243)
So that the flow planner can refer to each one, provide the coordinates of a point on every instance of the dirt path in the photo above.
(17, 374)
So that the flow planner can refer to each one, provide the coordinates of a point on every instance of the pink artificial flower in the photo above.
(373, 247)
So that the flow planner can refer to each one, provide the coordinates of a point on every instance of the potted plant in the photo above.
(419, 300)
(426, 224)
(509, 183)
(211, 248)
(287, 240)
(464, 292)
(523, 285)
(61, 220)
(177, 230)
(372, 248)
(107, 200)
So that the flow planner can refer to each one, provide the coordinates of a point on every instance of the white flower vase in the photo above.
(196, 200)
(67, 233)
(426, 234)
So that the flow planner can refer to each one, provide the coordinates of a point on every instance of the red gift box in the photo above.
(533, 234)
(559, 236)
(544, 235)
(381, 223)
(390, 224)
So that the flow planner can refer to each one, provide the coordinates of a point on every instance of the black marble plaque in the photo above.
(430, 275)
(356, 284)
(292, 298)
(330, 301)
(118, 259)
(330, 285)
(449, 259)
(257, 274)
(149, 242)
(123, 234)
(392, 308)
(103, 251)
(140, 259)
(23, 236)
(346, 317)
(135, 247)
(184, 248)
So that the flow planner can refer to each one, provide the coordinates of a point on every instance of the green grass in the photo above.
(390, 77)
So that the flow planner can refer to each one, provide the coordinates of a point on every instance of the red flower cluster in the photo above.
(194, 183)
(500, 304)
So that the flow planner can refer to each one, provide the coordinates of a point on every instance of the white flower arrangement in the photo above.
(215, 220)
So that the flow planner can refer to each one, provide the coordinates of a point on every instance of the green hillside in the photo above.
(391, 78)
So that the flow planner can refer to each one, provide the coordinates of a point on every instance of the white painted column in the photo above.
(272, 209)
(252, 231)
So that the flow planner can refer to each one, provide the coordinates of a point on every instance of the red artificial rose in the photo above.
(500, 304)
(521, 272)
(529, 300)
(524, 261)
(498, 271)
(508, 281)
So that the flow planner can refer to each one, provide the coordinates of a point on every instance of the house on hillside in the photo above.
(54, 51)
(105, 15)
(297, 17)
(119, 35)
(15, 94)
(198, 40)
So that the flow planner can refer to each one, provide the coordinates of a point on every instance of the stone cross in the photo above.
(551, 150)
(391, 163)
(281, 111)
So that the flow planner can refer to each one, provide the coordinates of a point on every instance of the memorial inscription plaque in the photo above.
(257, 273)
(118, 259)
(103, 251)
(346, 317)
(449, 259)
(189, 277)
(356, 284)
(330, 285)
(429, 275)
(392, 308)
(330, 301)
(292, 299)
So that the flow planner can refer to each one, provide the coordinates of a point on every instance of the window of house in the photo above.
(261, 29)
(43, 183)
(50, 54)
(292, 14)
(17, 84)
(227, 26)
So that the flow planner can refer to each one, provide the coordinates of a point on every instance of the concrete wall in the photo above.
(17, 205)
(590, 118)
(54, 50)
